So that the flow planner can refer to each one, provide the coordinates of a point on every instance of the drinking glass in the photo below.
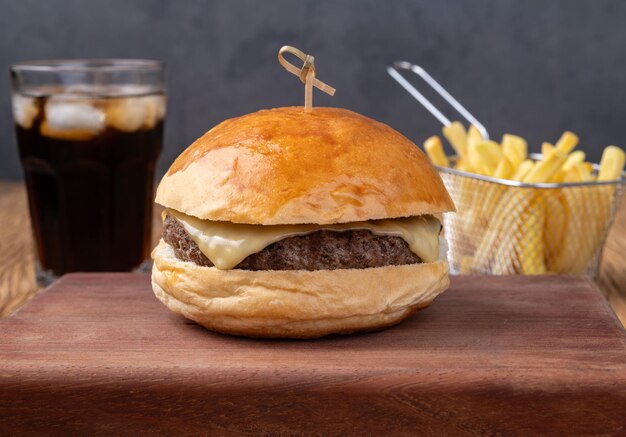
(89, 134)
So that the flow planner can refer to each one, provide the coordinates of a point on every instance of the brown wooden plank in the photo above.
(99, 354)
(17, 271)
(612, 274)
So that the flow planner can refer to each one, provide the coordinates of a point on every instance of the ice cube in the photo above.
(133, 113)
(155, 110)
(24, 110)
(72, 119)
(126, 114)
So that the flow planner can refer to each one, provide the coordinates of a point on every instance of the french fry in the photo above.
(567, 142)
(484, 195)
(435, 152)
(586, 230)
(515, 149)
(506, 246)
(611, 164)
(504, 170)
(486, 156)
(577, 173)
(583, 231)
(457, 136)
(572, 159)
(542, 171)
(523, 169)
(471, 217)
(461, 165)
(527, 231)
(474, 161)
(484, 256)
(532, 252)
(599, 203)
(557, 177)
(496, 251)
(474, 136)
(546, 148)
(566, 249)
(504, 259)
(555, 226)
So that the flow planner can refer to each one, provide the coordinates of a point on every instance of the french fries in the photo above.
(486, 156)
(514, 149)
(577, 157)
(503, 229)
(524, 168)
(435, 151)
(567, 142)
(504, 169)
(543, 170)
(474, 136)
(564, 173)
(546, 148)
(611, 164)
(577, 173)
(456, 135)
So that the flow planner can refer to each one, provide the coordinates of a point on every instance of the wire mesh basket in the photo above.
(504, 227)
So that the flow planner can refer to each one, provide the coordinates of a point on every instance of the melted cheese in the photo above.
(227, 244)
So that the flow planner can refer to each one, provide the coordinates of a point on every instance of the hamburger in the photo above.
(282, 223)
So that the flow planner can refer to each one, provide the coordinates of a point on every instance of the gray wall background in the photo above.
(532, 67)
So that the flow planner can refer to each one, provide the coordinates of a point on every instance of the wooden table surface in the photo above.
(98, 354)
(17, 280)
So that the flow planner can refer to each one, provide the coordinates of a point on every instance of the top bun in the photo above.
(286, 166)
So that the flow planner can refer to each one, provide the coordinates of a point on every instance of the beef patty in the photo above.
(319, 250)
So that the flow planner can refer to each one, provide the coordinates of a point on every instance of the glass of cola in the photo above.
(89, 134)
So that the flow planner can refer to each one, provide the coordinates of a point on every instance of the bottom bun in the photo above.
(294, 303)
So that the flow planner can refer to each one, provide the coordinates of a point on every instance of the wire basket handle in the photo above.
(416, 69)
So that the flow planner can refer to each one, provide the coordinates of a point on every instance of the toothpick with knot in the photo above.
(306, 74)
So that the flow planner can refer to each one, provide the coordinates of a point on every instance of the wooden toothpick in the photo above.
(306, 74)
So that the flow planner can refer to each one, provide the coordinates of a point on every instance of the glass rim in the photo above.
(88, 65)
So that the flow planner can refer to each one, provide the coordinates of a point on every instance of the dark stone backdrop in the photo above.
(532, 67)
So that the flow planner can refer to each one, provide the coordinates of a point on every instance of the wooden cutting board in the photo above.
(98, 354)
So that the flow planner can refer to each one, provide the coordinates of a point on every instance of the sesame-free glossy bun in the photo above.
(294, 303)
(286, 166)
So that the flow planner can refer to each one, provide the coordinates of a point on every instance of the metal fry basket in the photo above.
(505, 227)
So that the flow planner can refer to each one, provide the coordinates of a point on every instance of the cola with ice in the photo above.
(89, 160)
